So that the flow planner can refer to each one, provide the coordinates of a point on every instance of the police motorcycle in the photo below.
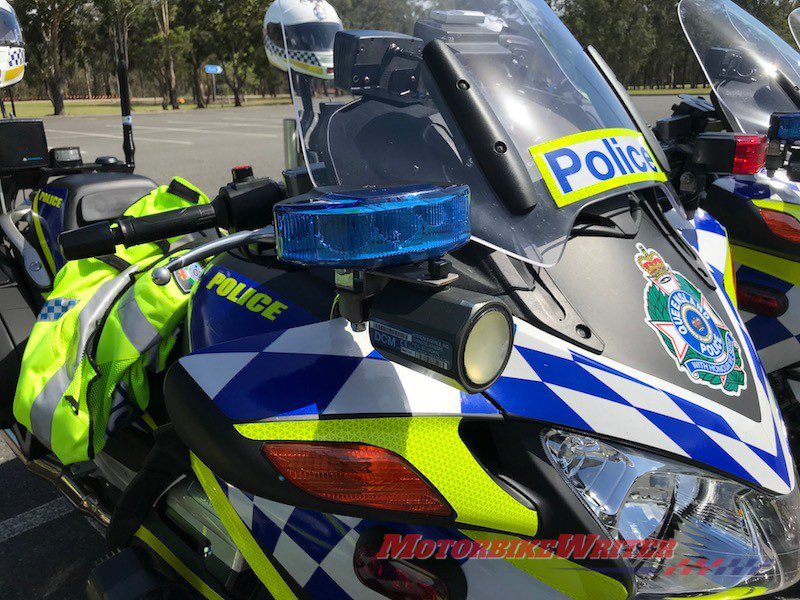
(734, 156)
(12, 52)
(44, 191)
(483, 331)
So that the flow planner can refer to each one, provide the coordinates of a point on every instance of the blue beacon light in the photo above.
(370, 228)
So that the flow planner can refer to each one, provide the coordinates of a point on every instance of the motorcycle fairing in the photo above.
(551, 381)
(317, 550)
(325, 370)
(319, 370)
(777, 339)
(232, 296)
(48, 208)
(737, 200)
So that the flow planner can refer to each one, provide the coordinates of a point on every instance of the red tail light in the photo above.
(397, 579)
(356, 474)
(760, 300)
(751, 154)
(781, 224)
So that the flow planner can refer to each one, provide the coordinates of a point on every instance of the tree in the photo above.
(192, 15)
(162, 11)
(239, 43)
(620, 29)
(50, 32)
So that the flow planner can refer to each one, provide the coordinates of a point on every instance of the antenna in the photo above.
(128, 146)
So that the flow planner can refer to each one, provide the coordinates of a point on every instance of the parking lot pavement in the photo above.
(46, 548)
(653, 108)
(200, 145)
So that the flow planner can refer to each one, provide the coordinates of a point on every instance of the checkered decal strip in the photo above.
(310, 58)
(776, 339)
(317, 549)
(316, 371)
(16, 57)
(55, 308)
(548, 381)
(324, 369)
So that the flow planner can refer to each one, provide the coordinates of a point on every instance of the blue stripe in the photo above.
(477, 404)
(705, 222)
(766, 331)
(703, 417)
(274, 384)
(534, 400)
(698, 445)
(569, 374)
(750, 275)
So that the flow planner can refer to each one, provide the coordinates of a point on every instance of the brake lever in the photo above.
(163, 275)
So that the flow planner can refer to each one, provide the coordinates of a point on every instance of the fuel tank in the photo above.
(239, 296)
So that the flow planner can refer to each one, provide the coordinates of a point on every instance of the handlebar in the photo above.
(240, 205)
(99, 239)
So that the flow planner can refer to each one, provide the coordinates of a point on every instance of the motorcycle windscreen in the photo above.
(794, 25)
(741, 58)
(10, 32)
(573, 139)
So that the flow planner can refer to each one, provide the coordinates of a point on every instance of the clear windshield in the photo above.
(794, 25)
(561, 123)
(10, 33)
(741, 58)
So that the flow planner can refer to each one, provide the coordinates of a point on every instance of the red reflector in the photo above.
(761, 300)
(355, 474)
(781, 224)
(397, 579)
(751, 154)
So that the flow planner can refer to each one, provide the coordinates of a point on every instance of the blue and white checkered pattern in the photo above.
(316, 549)
(320, 370)
(776, 339)
(55, 308)
(16, 57)
(551, 381)
(324, 369)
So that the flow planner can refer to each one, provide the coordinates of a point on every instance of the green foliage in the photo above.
(71, 42)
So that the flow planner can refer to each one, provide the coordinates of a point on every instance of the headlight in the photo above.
(725, 534)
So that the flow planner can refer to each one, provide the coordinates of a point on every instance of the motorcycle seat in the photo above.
(95, 197)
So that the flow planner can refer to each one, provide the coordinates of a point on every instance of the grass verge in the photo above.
(76, 108)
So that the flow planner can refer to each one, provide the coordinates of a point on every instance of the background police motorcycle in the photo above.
(747, 130)
(12, 50)
(624, 399)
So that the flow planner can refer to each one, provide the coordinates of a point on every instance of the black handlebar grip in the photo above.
(93, 240)
(152, 228)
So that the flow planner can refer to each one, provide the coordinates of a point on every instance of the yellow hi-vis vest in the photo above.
(104, 325)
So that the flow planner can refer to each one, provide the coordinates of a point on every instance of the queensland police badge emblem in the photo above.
(689, 329)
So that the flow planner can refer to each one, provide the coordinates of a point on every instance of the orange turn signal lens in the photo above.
(356, 474)
(781, 224)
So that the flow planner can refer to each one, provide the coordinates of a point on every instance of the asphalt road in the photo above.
(201, 146)
(46, 548)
